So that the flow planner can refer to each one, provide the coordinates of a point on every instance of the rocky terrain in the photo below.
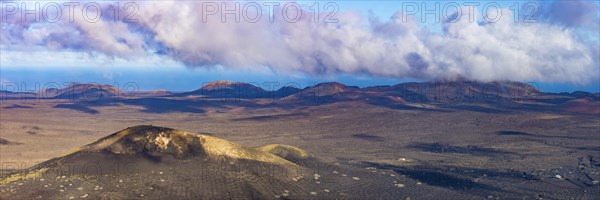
(503, 140)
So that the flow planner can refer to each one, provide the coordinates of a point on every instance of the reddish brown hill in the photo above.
(332, 92)
(584, 105)
(78, 91)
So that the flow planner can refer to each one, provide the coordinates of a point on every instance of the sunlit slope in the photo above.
(162, 163)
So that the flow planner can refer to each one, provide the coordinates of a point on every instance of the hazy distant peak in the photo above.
(224, 84)
(335, 87)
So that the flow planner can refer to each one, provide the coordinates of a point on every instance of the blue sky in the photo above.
(29, 58)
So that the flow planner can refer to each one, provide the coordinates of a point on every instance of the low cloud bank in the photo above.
(197, 34)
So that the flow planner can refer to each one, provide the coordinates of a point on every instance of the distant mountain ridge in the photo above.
(228, 89)
(240, 90)
(398, 95)
(86, 91)
(423, 92)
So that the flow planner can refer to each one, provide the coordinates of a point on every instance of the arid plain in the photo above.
(546, 146)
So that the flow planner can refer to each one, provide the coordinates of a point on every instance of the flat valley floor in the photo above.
(470, 149)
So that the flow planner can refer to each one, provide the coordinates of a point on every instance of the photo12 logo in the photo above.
(253, 12)
(452, 12)
(54, 12)
(128, 12)
(67, 91)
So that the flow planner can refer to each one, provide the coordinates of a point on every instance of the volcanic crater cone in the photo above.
(163, 163)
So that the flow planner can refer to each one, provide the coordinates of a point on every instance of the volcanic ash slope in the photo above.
(147, 162)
